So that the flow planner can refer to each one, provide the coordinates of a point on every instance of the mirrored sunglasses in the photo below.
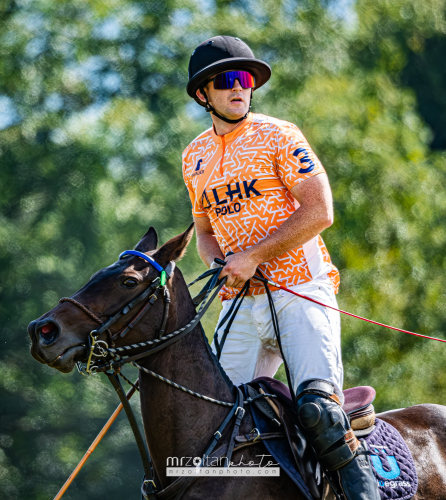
(224, 81)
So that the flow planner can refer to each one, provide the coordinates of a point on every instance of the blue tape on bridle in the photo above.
(143, 256)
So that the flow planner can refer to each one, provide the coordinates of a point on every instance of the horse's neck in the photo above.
(179, 424)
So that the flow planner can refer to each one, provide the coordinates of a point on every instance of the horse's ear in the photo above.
(148, 241)
(175, 248)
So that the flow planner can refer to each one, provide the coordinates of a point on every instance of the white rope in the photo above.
(211, 400)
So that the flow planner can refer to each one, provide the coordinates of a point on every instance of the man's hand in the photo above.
(239, 268)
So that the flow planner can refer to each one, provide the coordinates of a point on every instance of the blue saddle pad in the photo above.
(279, 449)
(392, 463)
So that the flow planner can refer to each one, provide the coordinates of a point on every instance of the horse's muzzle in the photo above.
(51, 348)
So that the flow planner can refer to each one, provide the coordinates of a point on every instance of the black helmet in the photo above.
(223, 53)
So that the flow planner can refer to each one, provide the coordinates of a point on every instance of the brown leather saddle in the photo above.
(280, 412)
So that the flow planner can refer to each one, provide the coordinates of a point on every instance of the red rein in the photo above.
(354, 315)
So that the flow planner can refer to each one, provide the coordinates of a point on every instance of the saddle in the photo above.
(359, 408)
(279, 412)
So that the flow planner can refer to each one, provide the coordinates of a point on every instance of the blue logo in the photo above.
(394, 471)
(231, 194)
(306, 160)
(198, 165)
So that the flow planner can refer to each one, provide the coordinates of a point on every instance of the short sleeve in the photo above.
(197, 207)
(295, 160)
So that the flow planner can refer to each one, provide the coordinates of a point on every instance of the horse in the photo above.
(176, 424)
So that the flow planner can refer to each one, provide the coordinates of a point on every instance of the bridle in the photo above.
(100, 348)
(114, 358)
(117, 357)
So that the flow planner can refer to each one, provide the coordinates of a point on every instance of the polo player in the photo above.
(258, 191)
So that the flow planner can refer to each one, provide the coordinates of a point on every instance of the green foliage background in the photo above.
(94, 117)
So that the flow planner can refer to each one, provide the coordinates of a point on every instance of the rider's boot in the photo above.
(328, 431)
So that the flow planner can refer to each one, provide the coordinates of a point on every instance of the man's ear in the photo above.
(175, 248)
(148, 242)
(200, 96)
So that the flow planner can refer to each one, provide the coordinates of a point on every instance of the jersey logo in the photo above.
(198, 169)
(204, 198)
(302, 155)
(249, 188)
(233, 191)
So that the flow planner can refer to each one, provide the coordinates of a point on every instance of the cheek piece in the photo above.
(210, 109)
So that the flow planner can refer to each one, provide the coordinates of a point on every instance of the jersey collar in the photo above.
(235, 133)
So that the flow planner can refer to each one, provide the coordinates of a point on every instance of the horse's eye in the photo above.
(130, 283)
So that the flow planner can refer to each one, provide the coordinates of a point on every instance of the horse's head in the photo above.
(60, 337)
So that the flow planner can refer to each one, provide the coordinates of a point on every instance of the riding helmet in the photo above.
(219, 54)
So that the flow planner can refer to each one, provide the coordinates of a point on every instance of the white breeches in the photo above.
(310, 335)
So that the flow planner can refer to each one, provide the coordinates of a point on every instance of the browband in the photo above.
(142, 256)
(168, 271)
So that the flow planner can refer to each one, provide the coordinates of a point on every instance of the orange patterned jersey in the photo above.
(241, 181)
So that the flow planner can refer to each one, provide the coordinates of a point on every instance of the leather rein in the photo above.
(113, 360)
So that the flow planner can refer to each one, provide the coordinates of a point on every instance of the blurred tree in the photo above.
(407, 40)
(425, 72)
(92, 102)
(94, 117)
(391, 204)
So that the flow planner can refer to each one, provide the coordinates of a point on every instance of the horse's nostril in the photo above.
(48, 332)
(47, 329)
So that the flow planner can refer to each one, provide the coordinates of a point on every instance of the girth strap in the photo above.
(240, 412)
(219, 432)
(210, 449)
(179, 486)
(244, 441)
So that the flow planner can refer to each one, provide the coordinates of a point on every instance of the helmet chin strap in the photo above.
(210, 109)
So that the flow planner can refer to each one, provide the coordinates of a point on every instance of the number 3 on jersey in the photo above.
(302, 155)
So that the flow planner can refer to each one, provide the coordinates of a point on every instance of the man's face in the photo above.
(232, 103)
